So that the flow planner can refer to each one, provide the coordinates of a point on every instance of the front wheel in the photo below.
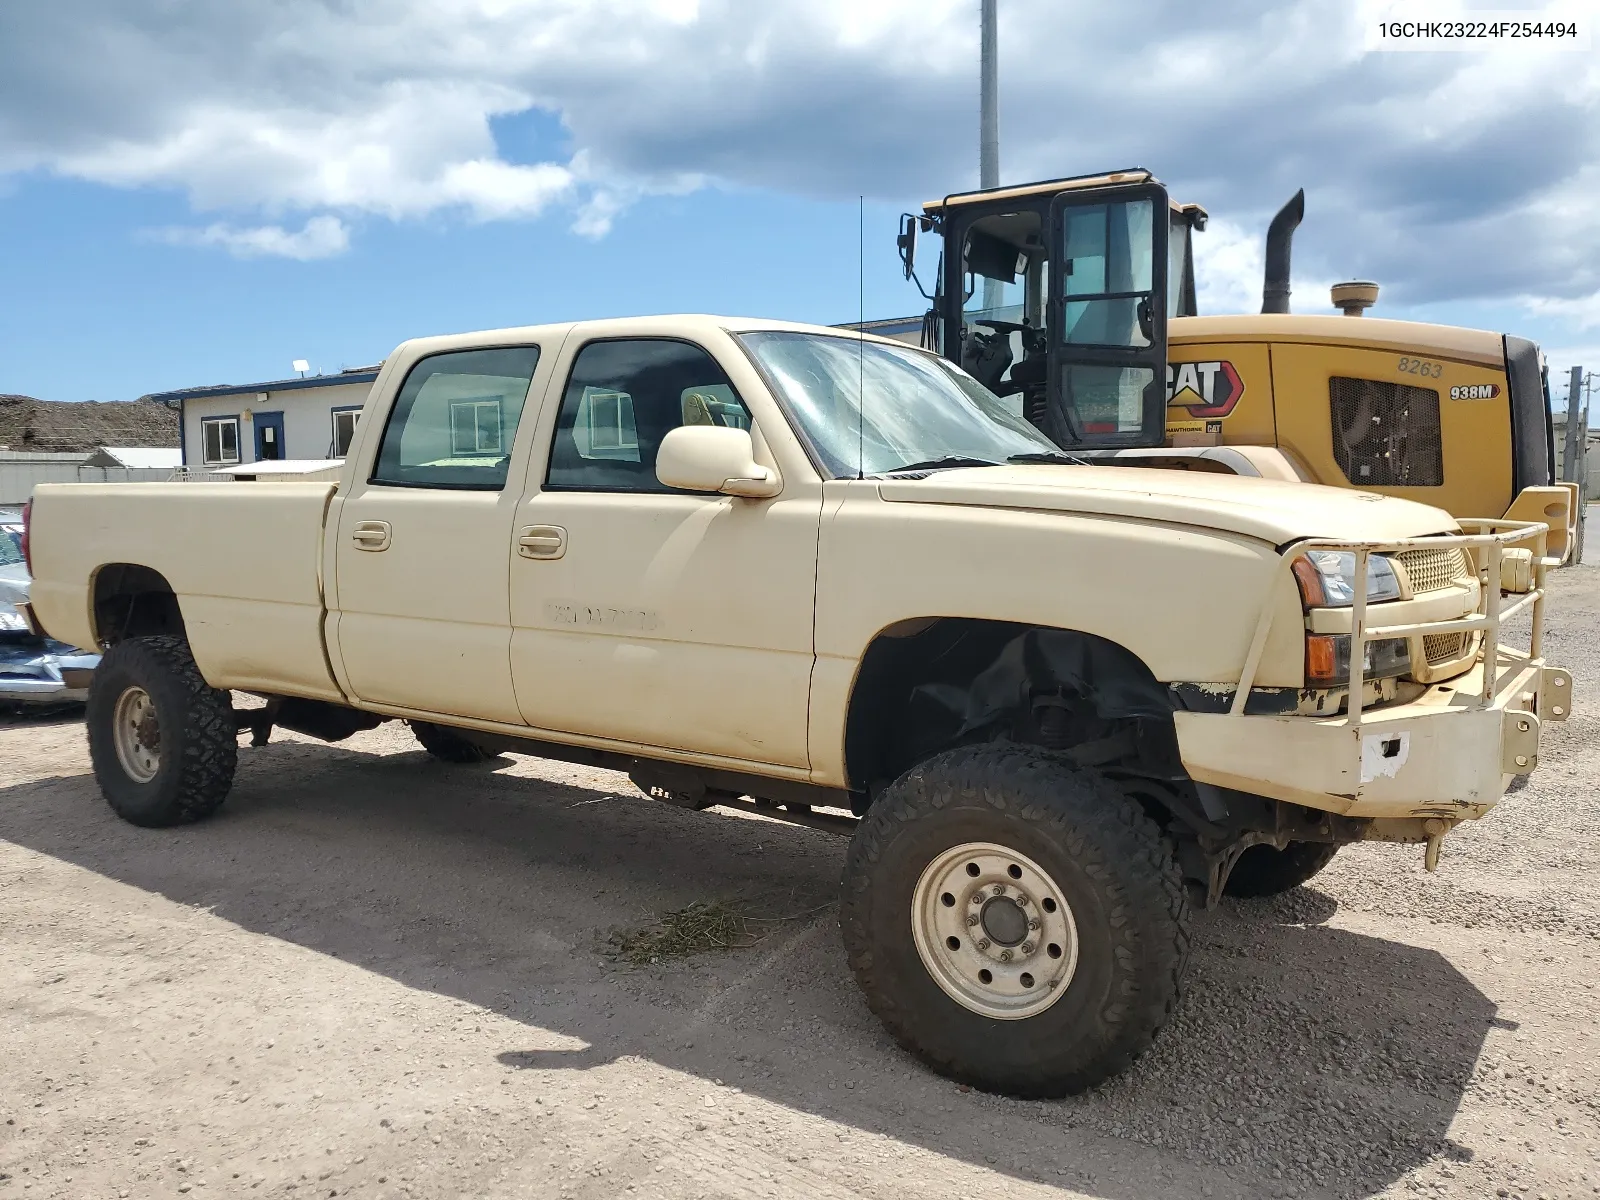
(163, 741)
(1014, 920)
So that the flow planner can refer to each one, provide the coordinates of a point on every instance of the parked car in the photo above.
(34, 670)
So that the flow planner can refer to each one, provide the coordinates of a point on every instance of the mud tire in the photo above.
(199, 743)
(1111, 862)
(446, 744)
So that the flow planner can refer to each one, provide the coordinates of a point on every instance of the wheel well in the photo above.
(134, 601)
(927, 684)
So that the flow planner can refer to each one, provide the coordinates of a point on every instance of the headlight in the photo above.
(1327, 578)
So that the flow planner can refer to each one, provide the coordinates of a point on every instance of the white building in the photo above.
(309, 418)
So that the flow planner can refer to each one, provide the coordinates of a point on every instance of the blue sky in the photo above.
(194, 193)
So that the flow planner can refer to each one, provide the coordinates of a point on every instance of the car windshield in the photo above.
(870, 409)
(10, 546)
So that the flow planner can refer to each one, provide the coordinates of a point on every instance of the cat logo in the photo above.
(1205, 389)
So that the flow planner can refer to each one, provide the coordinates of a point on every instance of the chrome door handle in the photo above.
(541, 541)
(371, 535)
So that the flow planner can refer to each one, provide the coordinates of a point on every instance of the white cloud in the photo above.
(1441, 175)
(321, 237)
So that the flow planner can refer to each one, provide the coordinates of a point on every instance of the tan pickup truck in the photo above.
(833, 579)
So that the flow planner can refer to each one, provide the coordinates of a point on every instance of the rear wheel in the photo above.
(446, 744)
(163, 741)
(1014, 920)
(1268, 871)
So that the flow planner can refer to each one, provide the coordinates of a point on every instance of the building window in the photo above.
(219, 440)
(475, 426)
(344, 430)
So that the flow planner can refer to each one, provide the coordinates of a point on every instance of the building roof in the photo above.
(348, 376)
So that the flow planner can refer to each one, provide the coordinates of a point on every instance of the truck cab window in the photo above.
(622, 398)
(453, 422)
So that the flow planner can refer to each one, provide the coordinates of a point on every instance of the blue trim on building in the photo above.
(278, 385)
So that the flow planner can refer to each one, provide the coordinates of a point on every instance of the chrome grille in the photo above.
(1433, 569)
(1444, 647)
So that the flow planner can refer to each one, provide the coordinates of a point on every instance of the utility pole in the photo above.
(1569, 452)
(989, 122)
(989, 108)
(1575, 453)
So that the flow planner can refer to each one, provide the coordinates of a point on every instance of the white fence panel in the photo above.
(18, 479)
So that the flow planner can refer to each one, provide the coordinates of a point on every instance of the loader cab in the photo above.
(1056, 297)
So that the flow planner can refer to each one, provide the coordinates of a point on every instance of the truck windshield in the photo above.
(870, 409)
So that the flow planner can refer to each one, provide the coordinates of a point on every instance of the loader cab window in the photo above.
(1109, 259)
(1004, 282)
(454, 420)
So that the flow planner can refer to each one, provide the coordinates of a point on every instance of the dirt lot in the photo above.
(375, 975)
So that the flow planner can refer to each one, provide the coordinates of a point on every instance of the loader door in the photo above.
(1108, 317)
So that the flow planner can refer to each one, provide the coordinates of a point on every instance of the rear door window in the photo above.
(454, 420)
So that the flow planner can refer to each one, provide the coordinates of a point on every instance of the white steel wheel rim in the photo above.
(136, 732)
(1005, 963)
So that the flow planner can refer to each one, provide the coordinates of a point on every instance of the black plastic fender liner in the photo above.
(1110, 680)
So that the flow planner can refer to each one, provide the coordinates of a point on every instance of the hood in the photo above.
(1269, 509)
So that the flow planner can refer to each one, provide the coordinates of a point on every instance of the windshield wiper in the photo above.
(1049, 456)
(935, 464)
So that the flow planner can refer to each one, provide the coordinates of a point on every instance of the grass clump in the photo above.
(697, 927)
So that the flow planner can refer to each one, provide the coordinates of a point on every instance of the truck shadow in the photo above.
(500, 890)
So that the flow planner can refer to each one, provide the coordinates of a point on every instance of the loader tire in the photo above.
(1268, 871)
(162, 740)
(1015, 920)
(446, 744)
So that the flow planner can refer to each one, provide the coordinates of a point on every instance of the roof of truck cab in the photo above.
(665, 325)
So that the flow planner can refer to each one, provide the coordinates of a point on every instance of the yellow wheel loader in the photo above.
(1075, 299)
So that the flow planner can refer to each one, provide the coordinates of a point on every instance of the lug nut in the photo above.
(1027, 947)
(1005, 956)
(1033, 922)
(999, 889)
(972, 919)
(983, 943)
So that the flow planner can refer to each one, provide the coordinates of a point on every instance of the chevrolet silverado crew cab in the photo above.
(832, 578)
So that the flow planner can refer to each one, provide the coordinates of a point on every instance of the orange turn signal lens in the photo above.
(1322, 657)
(1310, 581)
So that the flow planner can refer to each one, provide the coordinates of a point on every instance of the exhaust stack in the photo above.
(1275, 290)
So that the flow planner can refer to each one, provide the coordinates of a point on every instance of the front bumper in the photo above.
(1450, 753)
(1445, 754)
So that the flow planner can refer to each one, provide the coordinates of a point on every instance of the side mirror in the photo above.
(713, 458)
(907, 243)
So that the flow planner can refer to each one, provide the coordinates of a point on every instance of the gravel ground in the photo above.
(375, 975)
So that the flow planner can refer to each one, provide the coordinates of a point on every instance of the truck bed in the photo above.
(243, 559)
